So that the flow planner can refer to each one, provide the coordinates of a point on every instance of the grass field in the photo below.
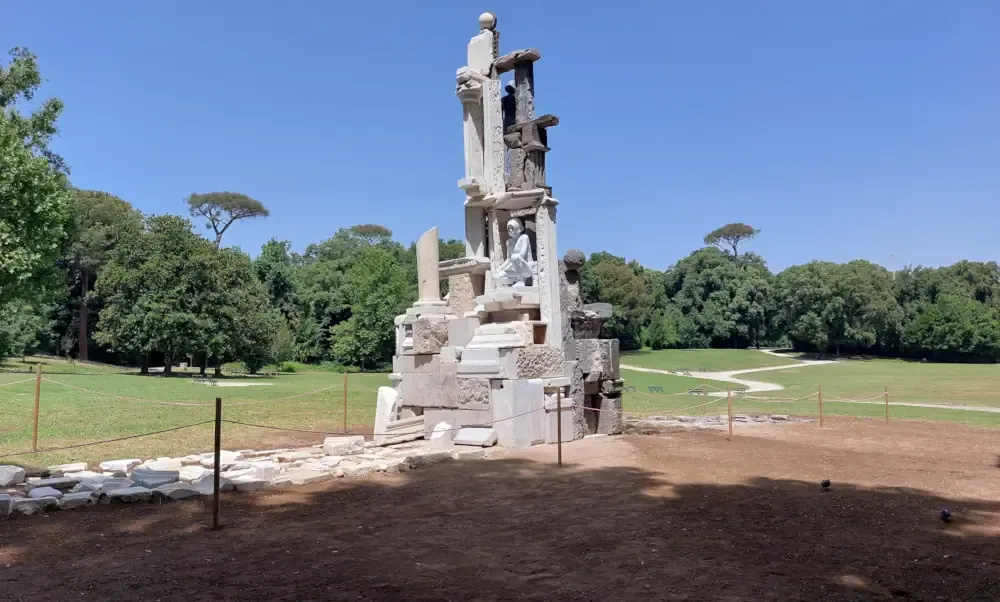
(703, 360)
(97, 404)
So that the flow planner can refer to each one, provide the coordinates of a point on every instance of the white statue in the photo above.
(517, 268)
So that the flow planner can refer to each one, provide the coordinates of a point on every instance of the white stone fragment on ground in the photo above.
(192, 459)
(206, 484)
(344, 446)
(71, 501)
(248, 484)
(292, 456)
(226, 458)
(595, 436)
(473, 453)
(34, 506)
(61, 483)
(266, 452)
(151, 479)
(391, 465)
(129, 495)
(190, 473)
(300, 476)
(779, 417)
(427, 458)
(478, 436)
(96, 484)
(385, 412)
(60, 469)
(11, 475)
(168, 465)
(442, 437)
(176, 491)
(83, 474)
(6, 504)
(40, 492)
(352, 469)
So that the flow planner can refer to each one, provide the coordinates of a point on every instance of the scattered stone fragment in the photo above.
(6, 504)
(475, 453)
(40, 492)
(206, 484)
(83, 474)
(428, 458)
(29, 506)
(351, 469)
(71, 501)
(266, 452)
(248, 484)
(129, 495)
(61, 483)
(391, 465)
(478, 436)
(175, 491)
(226, 458)
(292, 456)
(595, 436)
(190, 473)
(442, 437)
(11, 475)
(344, 446)
(168, 465)
(61, 469)
(300, 476)
(151, 479)
(779, 417)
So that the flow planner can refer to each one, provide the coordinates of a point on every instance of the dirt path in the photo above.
(681, 516)
(752, 386)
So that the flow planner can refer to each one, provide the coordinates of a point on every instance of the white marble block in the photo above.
(385, 411)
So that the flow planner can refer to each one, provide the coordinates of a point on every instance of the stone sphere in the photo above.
(574, 259)
(487, 21)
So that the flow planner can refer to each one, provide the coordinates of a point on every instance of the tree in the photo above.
(731, 236)
(222, 209)
(98, 220)
(34, 200)
(612, 281)
(373, 234)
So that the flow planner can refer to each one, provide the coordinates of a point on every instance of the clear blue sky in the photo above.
(843, 130)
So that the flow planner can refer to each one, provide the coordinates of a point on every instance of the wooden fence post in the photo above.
(38, 395)
(704, 397)
(345, 401)
(217, 467)
(729, 401)
(887, 403)
(559, 424)
(821, 406)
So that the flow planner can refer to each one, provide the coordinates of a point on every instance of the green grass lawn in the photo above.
(703, 360)
(969, 384)
(101, 404)
(674, 397)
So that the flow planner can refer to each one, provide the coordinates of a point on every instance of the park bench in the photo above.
(686, 372)
(656, 389)
(696, 391)
(631, 390)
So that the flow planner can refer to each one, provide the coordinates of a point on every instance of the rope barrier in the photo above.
(102, 442)
(17, 382)
(190, 403)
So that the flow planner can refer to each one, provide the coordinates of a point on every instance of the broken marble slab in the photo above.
(82, 499)
(478, 436)
(129, 495)
(151, 479)
(40, 492)
(175, 491)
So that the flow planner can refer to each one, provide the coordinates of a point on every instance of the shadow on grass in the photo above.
(516, 529)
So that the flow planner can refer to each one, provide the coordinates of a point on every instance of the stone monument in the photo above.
(513, 333)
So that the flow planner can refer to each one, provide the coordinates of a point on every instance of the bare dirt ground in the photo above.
(677, 516)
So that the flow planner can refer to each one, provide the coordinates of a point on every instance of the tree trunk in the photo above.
(218, 368)
(204, 364)
(167, 365)
(144, 365)
(84, 316)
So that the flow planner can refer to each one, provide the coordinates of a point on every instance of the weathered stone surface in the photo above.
(428, 458)
(6, 504)
(176, 491)
(404, 429)
(206, 484)
(40, 492)
(61, 469)
(574, 259)
(508, 61)
(30, 506)
(430, 390)
(352, 469)
(610, 419)
(344, 446)
(386, 409)
(84, 474)
(100, 484)
(442, 436)
(403, 364)
(538, 361)
(300, 476)
(598, 356)
(167, 465)
(292, 456)
(61, 483)
(612, 386)
(480, 437)
(430, 334)
(476, 453)
(71, 501)
(11, 475)
(151, 479)
(779, 417)
(190, 473)
(462, 293)
(391, 465)
(249, 483)
(226, 458)
(130, 495)
(473, 393)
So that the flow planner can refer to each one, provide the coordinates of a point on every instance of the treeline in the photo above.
(83, 274)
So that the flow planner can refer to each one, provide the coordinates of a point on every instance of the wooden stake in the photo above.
(887, 403)
(704, 397)
(216, 499)
(821, 406)
(345, 401)
(559, 424)
(38, 396)
(729, 400)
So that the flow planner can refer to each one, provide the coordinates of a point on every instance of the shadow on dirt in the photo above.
(509, 529)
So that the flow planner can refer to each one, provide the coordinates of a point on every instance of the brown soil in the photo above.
(678, 516)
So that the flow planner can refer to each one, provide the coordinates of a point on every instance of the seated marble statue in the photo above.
(517, 267)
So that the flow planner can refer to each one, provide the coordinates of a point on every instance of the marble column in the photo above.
(428, 281)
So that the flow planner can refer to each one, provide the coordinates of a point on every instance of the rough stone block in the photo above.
(386, 409)
(430, 334)
(553, 428)
(538, 361)
(175, 491)
(457, 418)
(40, 492)
(442, 436)
(130, 495)
(591, 387)
(226, 459)
(28, 506)
(295, 456)
(462, 292)
(300, 476)
(151, 479)
(461, 330)
(206, 484)
(344, 446)
(515, 405)
(6, 504)
(61, 483)
(474, 393)
(248, 484)
(61, 469)
(402, 364)
(438, 390)
(11, 475)
(190, 473)
(488, 362)
(477, 453)
(612, 386)
(427, 458)
(611, 418)
(598, 356)
(479, 437)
